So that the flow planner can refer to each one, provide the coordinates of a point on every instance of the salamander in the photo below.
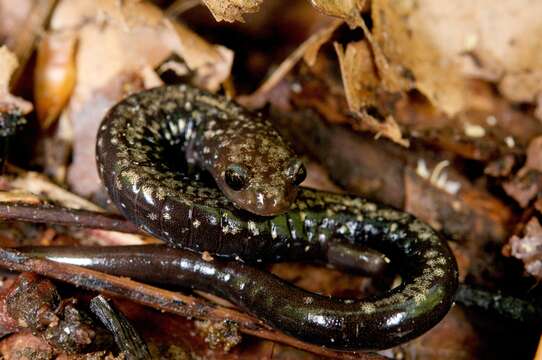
(145, 146)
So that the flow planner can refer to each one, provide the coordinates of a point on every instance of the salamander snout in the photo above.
(263, 190)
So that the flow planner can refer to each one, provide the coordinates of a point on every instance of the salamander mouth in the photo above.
(255, 203)
(270, 211)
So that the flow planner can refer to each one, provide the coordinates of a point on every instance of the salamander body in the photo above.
(145, 147)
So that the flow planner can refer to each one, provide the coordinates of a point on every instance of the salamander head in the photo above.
(259, 175)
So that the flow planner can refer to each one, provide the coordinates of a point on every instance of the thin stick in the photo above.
(52, 214)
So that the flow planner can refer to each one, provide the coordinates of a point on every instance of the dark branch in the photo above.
(52, 214)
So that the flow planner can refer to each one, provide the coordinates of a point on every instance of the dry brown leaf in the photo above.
(391, 76)
(8, 65)
(135, 35)
(387, 128)
(315, 42)
(132, 12)
(307, 50)
(405, 31)
(359, 74)
(361, 89)
(126, 14)
(508, 42)
(21, 25)
(13, 19)
(348, 10)
(529, 248)
(54, 75)
(232, 10)
(106, 47)
(443, 44)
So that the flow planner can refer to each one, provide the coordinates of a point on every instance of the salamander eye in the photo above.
(236, 177)
(297, 172)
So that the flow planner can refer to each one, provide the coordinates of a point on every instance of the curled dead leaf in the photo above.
(387, 128)
(54, 75)
(232, 10)
(361, 87)
(393, 77)
(348, 10)
(358, 70)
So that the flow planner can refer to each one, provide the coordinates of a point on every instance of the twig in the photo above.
(37, 183)
(52, 214)
(127, 339)
(163, 300)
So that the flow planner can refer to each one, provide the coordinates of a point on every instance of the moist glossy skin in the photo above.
(156, 192)
(344, 324)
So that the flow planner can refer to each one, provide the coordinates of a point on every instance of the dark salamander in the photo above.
(143, 147)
